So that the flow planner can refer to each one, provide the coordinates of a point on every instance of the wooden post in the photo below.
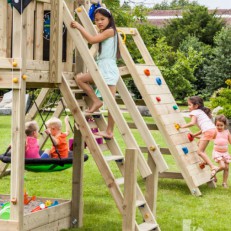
(130, 178)
(18, 120)
(56, 29)
(152, 185)
(77, 181)
(38, 52)
(3, 28)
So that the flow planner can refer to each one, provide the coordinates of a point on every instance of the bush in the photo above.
(222, 97)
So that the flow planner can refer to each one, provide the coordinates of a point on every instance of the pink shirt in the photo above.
(202, 120)
(221, 142)
(32, 148)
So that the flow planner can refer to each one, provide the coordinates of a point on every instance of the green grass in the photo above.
(175, 204)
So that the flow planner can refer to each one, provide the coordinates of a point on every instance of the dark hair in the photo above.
(196, 100)
(223, 119)
(106, 13)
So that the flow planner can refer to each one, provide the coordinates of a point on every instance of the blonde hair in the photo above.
(54, 121)
(30, 127)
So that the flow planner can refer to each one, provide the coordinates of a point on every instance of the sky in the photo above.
(211, 4)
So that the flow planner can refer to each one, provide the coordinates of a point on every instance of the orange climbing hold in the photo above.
(147, 72)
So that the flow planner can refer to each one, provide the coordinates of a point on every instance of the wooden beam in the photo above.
(56, 30)
(77, 181)
(130, 178)
(18, 122)
(3, 28)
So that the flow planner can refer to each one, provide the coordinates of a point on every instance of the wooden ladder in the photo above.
(166, 113)
(104, 153)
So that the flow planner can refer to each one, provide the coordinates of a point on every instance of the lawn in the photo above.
(177, 209)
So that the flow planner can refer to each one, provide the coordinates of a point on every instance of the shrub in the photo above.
(222, 97)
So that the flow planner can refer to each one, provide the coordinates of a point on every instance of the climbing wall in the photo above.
(166, 114)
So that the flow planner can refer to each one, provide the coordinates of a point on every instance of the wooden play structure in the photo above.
(22, 66)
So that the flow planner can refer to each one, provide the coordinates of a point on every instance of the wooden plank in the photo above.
(3, 28)
(9, 30)
(77, 181)
(142, 48)
(69, 42)
(105, 92)
(43, 217)
(9, 225)
(18, 121)
(39, 14)
(171, 175)
(166, 109)
(56, 30)
(30, 30)
(56, 225)
(123, 71)
(152, 185)
(130, 178)
(127, 30)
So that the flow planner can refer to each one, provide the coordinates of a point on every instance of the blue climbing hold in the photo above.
(158, 80)
(185, 150)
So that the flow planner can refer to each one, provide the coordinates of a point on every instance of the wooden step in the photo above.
(114, 158)
(120, 181)
(97, 113)
(140, 203)
(77, 91)
(147, 226)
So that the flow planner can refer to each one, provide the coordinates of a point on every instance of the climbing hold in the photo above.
(158, 80)
(14, 64)
(190, 137)
(202, 165)
(152, 148)
(185, 150)
(177, 126)
(147, 72)
(146, 216)
(158, 99)
(175, 107)
(132, 31)
(15, 80)
(79, 9)
(24, 77)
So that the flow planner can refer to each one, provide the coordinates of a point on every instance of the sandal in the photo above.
(214, 172)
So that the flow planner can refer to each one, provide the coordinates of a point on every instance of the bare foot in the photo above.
(104, 134)
(95, 107)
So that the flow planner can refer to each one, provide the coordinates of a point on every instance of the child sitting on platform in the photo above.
(59, 139)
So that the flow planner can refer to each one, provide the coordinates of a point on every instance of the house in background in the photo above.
(160, 17)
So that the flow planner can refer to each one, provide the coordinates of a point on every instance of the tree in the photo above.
(174, 5)
(200, 84)
(219, 68)
(177, 68)
(196, 21)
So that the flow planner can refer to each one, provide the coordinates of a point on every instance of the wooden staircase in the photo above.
(109, 151)
(100, 153)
